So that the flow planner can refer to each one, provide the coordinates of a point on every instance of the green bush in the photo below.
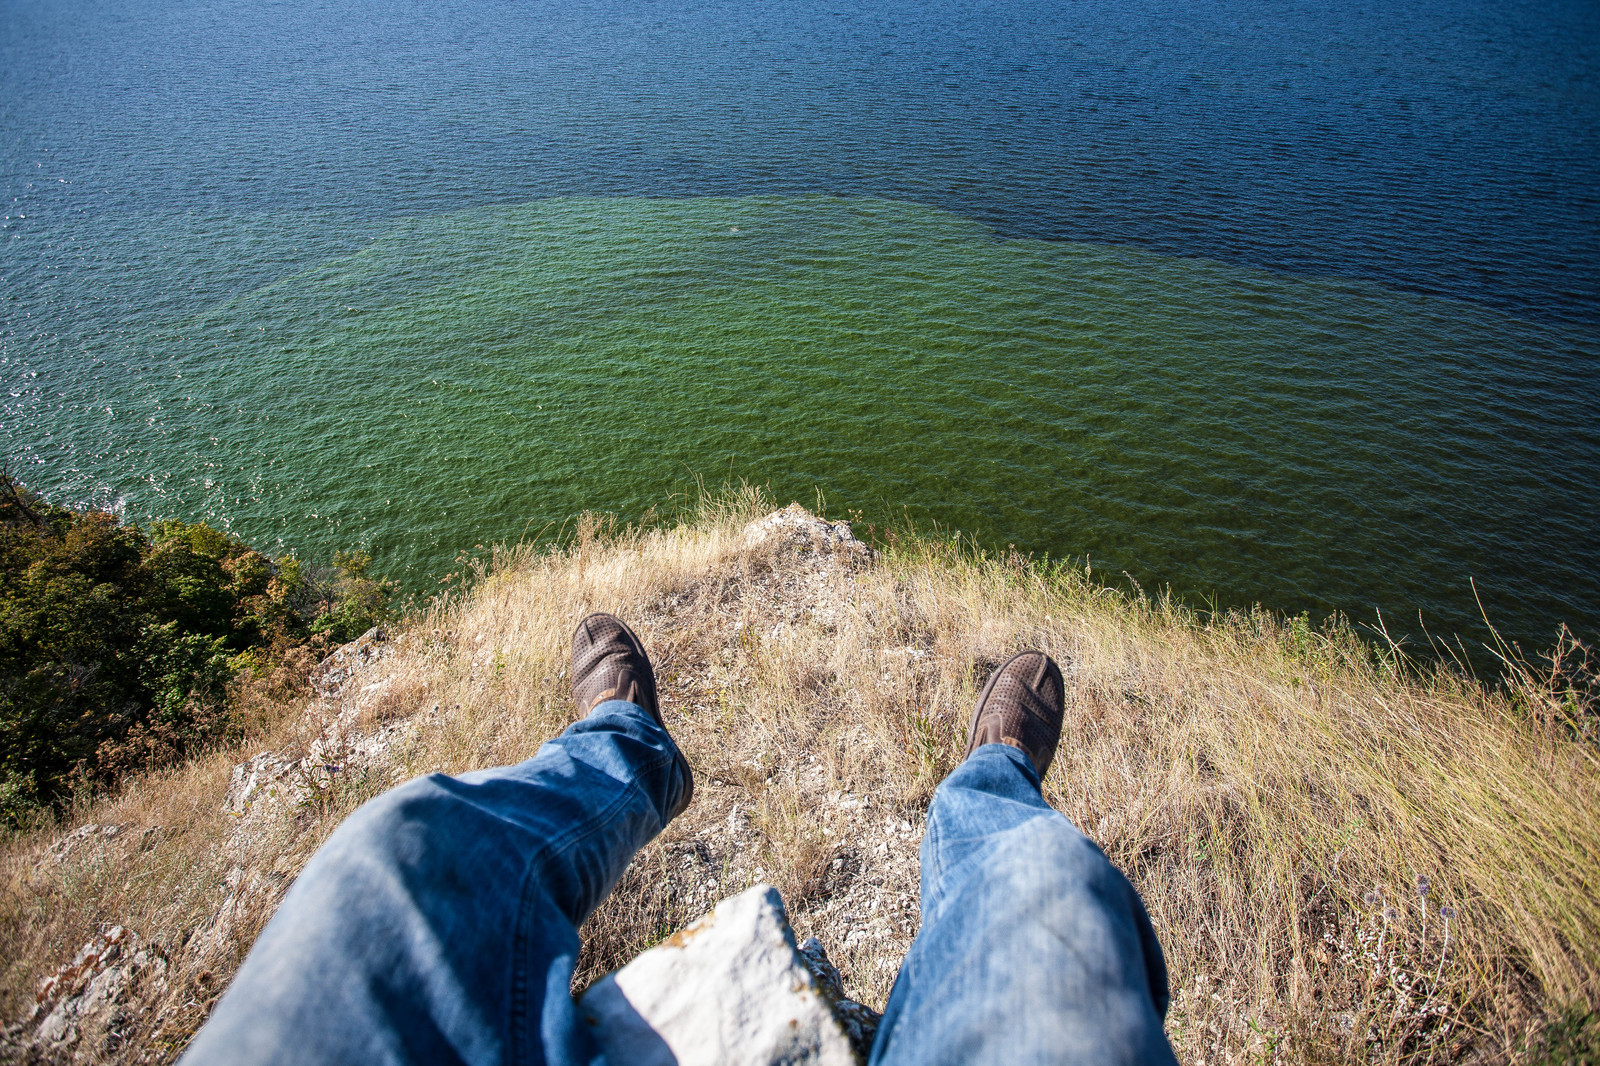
(117, 644)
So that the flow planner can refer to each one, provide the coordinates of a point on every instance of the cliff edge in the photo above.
(1344, 856)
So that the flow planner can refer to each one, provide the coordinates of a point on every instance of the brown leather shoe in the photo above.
(609, 663)
(1022, 705)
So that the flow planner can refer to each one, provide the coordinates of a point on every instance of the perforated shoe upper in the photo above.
(1022, 705)
(609, 663)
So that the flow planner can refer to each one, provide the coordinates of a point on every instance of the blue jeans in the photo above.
(439, 923)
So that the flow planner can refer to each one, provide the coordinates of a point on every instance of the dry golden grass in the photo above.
(1274, 792)
(1277, 793)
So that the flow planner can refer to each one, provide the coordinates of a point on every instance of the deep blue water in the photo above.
(1445, 147)
(158, 160)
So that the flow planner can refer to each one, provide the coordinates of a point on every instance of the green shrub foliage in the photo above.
(118, 644)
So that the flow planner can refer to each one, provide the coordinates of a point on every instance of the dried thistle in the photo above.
(1422, 894)
(1446, 913)
(1389, 913)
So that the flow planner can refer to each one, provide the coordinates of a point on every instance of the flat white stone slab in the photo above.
(729, 989)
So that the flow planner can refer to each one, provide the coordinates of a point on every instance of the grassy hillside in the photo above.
(1300, 810)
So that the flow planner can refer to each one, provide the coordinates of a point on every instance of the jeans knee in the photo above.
(393, 827)
(1052, 847)
(1076, 848)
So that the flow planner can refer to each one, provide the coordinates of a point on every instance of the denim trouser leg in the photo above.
(438, 924)
(1033, 947)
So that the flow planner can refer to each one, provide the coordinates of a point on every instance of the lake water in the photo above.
(1273, 303)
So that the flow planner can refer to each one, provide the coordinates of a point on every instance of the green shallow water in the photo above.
(1242, 436)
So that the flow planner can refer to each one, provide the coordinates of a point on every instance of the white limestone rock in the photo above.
(800, 526)
(89, 993)
(729, 989)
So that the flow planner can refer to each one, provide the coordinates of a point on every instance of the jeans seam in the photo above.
(520, 1019)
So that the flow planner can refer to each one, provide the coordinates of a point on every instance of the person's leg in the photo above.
(438, 924)
(1033, 947)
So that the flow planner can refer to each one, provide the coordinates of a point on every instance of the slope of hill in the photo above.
(1345, 857)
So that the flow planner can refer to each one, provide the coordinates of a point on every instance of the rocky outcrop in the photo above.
(109, 978)
(346, 684)
(799, 526)
(859, 1021)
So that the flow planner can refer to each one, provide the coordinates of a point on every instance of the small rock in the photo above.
(860, 1022)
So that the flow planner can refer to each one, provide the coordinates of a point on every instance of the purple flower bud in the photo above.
(1422, 887)
(1447, 912)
